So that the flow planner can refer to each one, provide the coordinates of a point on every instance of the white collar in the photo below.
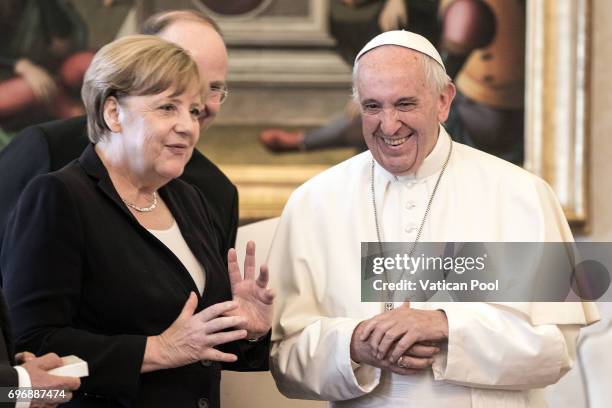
(431, 165)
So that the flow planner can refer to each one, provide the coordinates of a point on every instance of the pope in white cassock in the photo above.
(413, 184)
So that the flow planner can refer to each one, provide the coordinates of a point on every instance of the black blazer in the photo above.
(48, 147)
(82, 276)
(8, 375)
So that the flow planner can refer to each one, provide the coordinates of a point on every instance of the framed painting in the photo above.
(280, 47)
(556, 120)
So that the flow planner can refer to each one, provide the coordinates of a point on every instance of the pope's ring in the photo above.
(399, 362)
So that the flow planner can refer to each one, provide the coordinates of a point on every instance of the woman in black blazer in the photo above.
(108, 257)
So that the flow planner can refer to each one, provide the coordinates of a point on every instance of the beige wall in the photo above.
(261, 391)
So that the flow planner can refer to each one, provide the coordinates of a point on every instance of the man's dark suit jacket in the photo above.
(82, 276)
(43, 148)
(8, 375)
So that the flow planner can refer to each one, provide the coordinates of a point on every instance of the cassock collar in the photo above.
(431, 165)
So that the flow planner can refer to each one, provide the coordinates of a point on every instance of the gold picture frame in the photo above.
(557, 101)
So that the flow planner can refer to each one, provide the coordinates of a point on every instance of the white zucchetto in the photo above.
(404, 39)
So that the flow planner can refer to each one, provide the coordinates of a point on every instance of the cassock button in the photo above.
(410, 228)
(203, 403)
(206, 363)
(410, 205)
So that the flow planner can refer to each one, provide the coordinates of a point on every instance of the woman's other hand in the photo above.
(192, 337)
(252, 295)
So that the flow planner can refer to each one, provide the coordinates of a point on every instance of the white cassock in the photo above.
(498, 355)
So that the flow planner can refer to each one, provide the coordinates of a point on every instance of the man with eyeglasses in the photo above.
(49, 146)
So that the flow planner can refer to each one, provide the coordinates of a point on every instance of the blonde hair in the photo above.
(134, 65)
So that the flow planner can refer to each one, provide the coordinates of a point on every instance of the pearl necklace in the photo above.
(389, 304)
(143, 209)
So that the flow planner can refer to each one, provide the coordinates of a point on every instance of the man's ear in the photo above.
(111, 114)
(445, 100)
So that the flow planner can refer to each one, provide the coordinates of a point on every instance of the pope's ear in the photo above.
(445, 100)
(110, 112)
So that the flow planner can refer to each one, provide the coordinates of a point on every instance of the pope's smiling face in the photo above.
(401, 110)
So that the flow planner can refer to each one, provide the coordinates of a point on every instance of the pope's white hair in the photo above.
(434, 74)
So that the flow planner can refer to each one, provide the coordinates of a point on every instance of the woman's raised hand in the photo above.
(253, 297)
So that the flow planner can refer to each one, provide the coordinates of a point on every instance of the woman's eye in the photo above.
(196, 112)
(168, 107)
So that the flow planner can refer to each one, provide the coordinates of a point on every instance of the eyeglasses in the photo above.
(218, 94)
